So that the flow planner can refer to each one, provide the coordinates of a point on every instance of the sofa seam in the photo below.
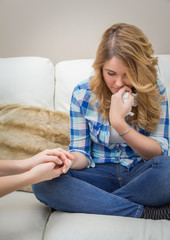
(45, 227)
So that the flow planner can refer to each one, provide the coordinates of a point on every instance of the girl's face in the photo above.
(114, 75)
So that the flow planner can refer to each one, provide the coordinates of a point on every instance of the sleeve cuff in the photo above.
(163, 143)
(91, 162)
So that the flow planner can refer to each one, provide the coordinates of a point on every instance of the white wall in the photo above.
(72, 29)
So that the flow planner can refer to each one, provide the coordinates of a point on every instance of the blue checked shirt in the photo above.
(90, 132)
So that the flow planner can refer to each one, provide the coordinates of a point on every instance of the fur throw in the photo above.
(27, 130)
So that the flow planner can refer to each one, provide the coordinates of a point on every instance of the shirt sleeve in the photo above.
(161, 134)
(80, 140)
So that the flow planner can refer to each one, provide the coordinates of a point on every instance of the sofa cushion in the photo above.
(78, 226)
(68, 74)
(27, 80)
(164, 72)
(22, 217)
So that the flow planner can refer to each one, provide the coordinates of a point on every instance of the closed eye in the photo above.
(111, 73)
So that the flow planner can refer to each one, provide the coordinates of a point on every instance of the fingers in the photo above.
(124, 89)
(56, 151)
(67, 154)
(61, 159)
(50, 170)
(65, 168)
(65, 157)
(54, 159)
(58, 172)
(131, 99)
(50, 165)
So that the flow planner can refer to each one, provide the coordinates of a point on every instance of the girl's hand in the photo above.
(119, 109)
(67, 159)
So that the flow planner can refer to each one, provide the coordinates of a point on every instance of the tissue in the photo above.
(134, 104)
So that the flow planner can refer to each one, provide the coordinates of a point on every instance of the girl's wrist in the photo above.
(121, 127)
(118, 123)
(124, 133)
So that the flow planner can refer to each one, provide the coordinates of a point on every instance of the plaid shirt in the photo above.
(90, 132)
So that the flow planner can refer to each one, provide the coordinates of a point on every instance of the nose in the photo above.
(119, 82)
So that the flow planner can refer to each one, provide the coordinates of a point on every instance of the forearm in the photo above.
(11, 167)
(144, 146)
(9, 184)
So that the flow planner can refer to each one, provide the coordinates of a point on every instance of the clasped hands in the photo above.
(49, 164)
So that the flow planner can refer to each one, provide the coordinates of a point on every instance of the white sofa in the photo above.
(35, 81)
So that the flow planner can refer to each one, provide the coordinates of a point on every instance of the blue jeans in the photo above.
(109, 188)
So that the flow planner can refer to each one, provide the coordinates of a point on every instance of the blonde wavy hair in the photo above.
(131, 46)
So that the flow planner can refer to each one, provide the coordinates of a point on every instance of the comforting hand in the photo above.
(51, 164)
(46, 165)
(119, 109)
(57, 156)
(45, 171)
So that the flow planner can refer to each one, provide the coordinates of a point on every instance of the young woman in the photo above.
(120, 160)
(15, 174)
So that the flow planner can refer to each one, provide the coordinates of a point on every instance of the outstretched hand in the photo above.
(58, 156)
(44, 166)
(45, 171)
(49, 164)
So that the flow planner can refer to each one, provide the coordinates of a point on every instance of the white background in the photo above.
(72, 29)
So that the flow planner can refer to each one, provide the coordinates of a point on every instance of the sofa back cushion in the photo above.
(164, 72)
(68, 74)
(27, 80)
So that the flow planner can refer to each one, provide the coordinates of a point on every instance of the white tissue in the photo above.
(134, 104)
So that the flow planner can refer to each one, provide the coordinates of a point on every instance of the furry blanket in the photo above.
(27, 130)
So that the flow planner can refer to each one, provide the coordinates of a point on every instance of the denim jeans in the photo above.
(109, 188)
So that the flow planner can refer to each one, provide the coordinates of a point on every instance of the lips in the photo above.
(115, 89)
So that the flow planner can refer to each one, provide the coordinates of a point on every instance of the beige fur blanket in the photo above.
(27, 130)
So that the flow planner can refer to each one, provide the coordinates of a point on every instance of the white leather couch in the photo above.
(35, 81)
